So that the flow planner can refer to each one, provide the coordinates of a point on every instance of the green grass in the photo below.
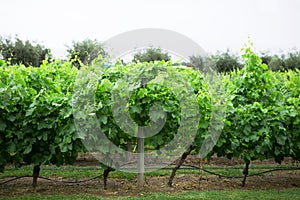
(76, 172)
(293, 194)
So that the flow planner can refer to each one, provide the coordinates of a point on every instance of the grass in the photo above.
(216, 195)
(76, 172)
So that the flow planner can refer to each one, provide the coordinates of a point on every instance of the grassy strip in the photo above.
(76, 172)
(216, 195)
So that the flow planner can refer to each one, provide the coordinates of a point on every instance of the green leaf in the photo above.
(30, 111)
(136, 109)
(11, 148)
(66, 112)
(203, 124)
(2, 125)
(64, 148)
(12, 118)
(103, 119)
(277, 151)
(254, 138)
(258, 149)
(105, 85)
(27, 149)
(281, 139)
(142, 93)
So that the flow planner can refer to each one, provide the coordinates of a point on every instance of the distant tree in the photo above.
(151, 54)
(1, 59)
(276, 63)
(265, 58)
(26, 52)
(197, 62)
(284, 62)
(204, 63)
(220, 62)
(226, 62)
(292, 61)
(84, 52)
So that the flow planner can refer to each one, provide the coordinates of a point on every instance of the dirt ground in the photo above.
(277, 180)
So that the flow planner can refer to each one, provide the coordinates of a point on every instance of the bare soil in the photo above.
(277, 180)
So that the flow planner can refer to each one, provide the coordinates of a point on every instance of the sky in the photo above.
(216, 25)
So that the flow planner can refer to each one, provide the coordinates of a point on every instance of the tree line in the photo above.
(29, 53)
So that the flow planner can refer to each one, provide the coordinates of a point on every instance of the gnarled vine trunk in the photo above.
(105, 176)
(178, 165)
(245, 172)
(35, 174)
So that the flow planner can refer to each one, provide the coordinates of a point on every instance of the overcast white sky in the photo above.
(214, 24)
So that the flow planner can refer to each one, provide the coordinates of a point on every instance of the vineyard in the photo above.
(49, 115)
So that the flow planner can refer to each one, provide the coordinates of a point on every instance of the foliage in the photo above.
(292, 61)
(36, 123)
(37, 110)
(84, 52)
(151, 54)
(276, 63)
(252, 96)
(288, 113)
(220, 62)
(226, 62)
(258, 121)
(283, 62)
(198, 62)
(16, 51)
(119, 91)
(2, 62)
(265, 58)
